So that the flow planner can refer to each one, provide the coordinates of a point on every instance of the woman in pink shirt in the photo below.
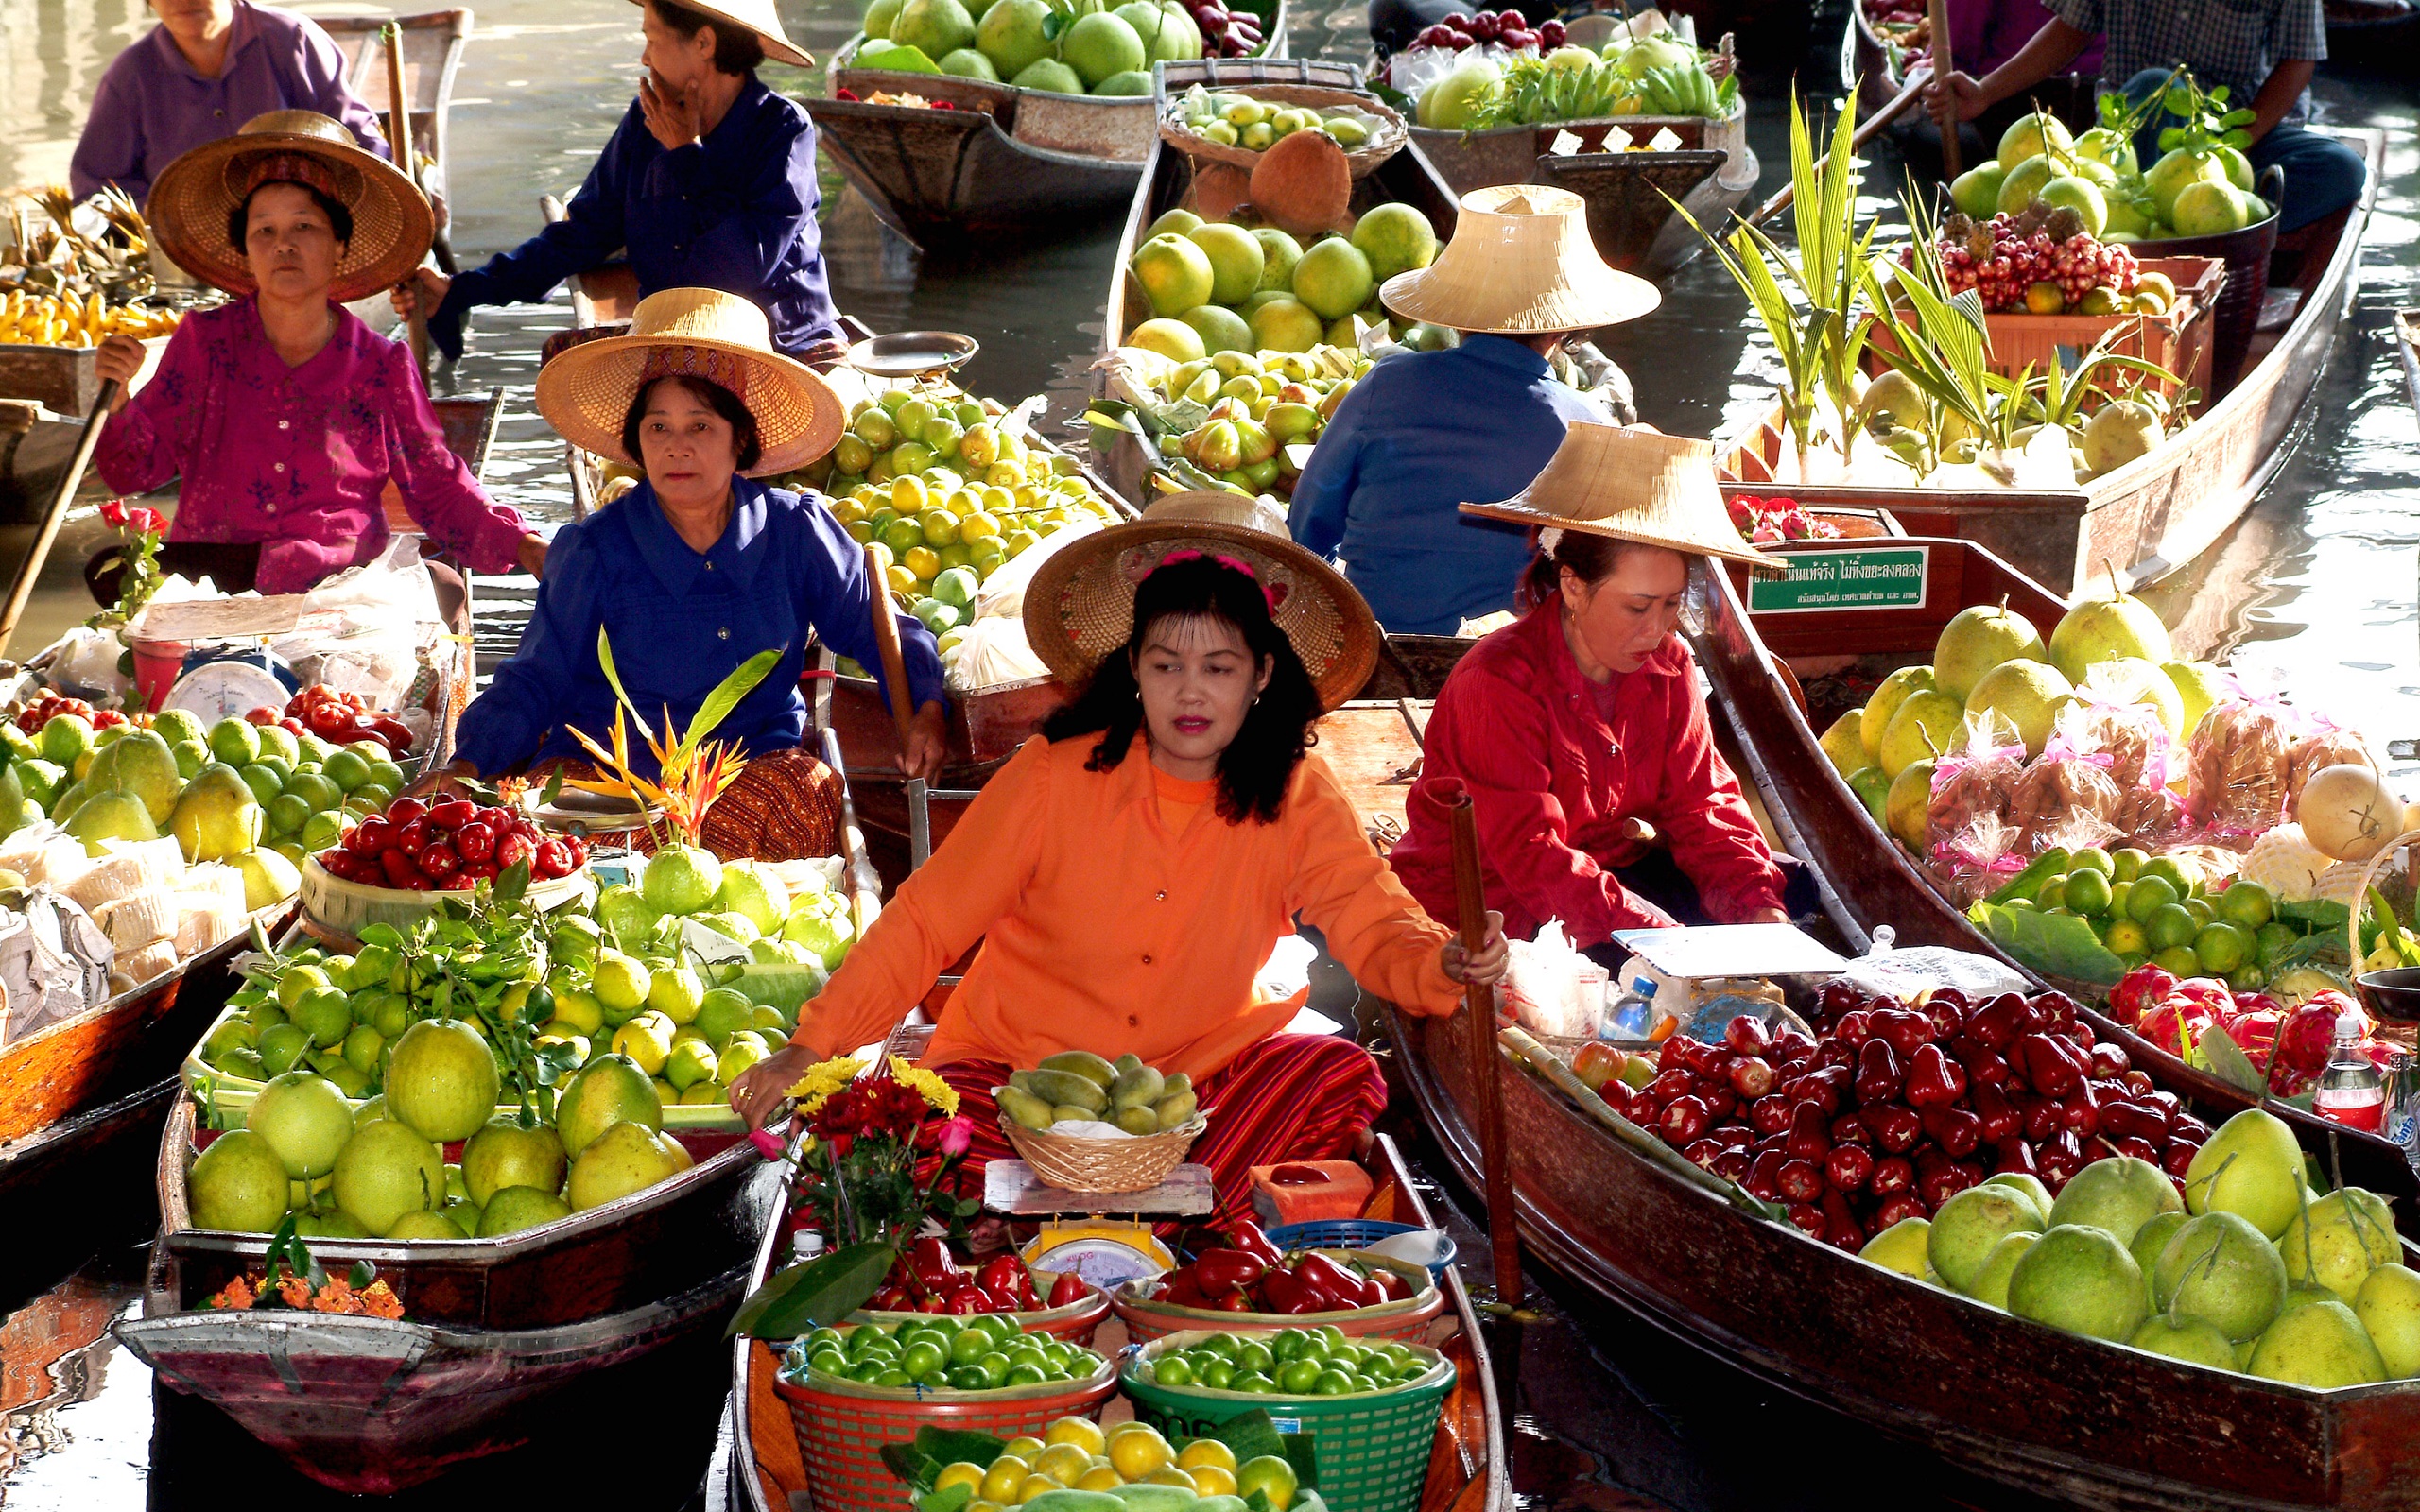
(283, 417)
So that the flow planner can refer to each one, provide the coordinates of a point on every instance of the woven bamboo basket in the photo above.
(1384, 142)
(1072, 1164)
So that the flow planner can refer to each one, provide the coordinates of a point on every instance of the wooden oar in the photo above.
(1936, 12)
(1890, 112)
(903, 714)
(399, 138)
(30, 569)
(1487, 1064)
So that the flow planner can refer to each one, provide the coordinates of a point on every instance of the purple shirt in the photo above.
(299, 458)
(1984, 34)
(152, 107)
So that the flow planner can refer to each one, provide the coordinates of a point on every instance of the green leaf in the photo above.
(554, 788)
(815, 1294)
(727, 693)
(613, 676)
(2051, 944)
(2223, 1058)
(949, 1445)
(512, 881)
(949, 1501)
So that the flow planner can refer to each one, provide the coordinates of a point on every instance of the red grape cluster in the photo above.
(1507, 28)
(2009, 255)
(1226, 33)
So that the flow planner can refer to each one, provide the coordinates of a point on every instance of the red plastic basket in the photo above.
(841, 1430)
(1147, 1319)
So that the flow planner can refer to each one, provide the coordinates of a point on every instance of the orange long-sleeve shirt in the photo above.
(1101, 931)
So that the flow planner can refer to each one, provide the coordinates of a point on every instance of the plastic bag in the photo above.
(1885, 971)
(83, 663)
(2071, 777)
(1971, 784)
(1553, 988)
(2114, 715)
(370, 628)
(2240, 763)
(1976, 860)
(53, 964)
(994, 651)
(1003, 594)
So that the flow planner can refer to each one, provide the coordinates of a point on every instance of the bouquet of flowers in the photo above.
(875, 1155)
(1766, 520)
(142, 530)
(294, 1281)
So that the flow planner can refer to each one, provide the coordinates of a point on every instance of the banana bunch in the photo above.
(1682, 89)
(1538, 93)
(66, 320)
(1076, 1086)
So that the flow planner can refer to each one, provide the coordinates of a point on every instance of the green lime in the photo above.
(2118, 893)
(2148, 896)
(2178, 960)
(2166, 868)
(2023, 905)
(1363, 1382)
(824, 1338)
(1251, 1355)
(2052, 894)
(867, 1369)
(1218, 1374)
(1174, 1370)
(2087, 892)
(966, 1378)
(2170, 925)
(995, 1366)
(1332, 1384)
(2222, 949)
(1296, 1376)
(922, 1358)
(894, 1376)
(969, 1347)
(2247, 903)
(2200, 910)
(2092, 859)
(1286, 1344)
(1254, 1383)
(280, 1045)
(2270, 939)
(1026, 1375)
(2248, 979)
(2126, 937)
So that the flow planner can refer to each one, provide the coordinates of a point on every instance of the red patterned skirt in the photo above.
(785, 807)
(1290, 1097)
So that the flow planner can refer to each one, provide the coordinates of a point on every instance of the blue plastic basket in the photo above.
(1353, 1233)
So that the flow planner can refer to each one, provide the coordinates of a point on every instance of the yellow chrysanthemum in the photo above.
(821, 1081)
(940, 1094)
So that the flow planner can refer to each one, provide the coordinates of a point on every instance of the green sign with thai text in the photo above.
(1823, 582)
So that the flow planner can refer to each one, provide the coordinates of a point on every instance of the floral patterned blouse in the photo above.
(298, 458)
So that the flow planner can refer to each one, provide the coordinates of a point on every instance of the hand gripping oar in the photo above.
(1487, 1063)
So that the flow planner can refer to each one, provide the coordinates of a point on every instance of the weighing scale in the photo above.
(1102, 1236)
(912, 353)
(216, 685)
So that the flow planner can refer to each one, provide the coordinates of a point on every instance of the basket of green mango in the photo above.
(1089, 1125)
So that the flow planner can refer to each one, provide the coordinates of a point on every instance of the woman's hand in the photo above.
(1958, 97)
(420, 294)
(450, 777)
(1486, 968)
(533, 555)
(671, 119)
(928, 743)
(118, 358)
(1765, 916)
(763, 1086)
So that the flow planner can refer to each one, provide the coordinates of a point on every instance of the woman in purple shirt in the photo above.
(209, 66)
(285, 416)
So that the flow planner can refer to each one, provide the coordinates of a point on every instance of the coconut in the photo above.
(2348, 812)
(1304, 184)
(2119, 432)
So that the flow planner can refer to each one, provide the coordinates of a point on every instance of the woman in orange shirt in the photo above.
(1128, 871)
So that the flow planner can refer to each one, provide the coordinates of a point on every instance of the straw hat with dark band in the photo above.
(1080, 605)
(585, 391)
(1632, 484)
(1521, 262)
(191, 198)
(751, 15)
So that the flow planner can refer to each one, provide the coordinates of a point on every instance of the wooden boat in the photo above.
(54, 1353)
(2155, 514)
(492, 1327)
(2407, 346)
(433, 45)
(1468, 1467)
(2374, 37)
(1001, 160)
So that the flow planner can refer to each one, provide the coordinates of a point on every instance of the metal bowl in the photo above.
(2393, 996)
(912, 353)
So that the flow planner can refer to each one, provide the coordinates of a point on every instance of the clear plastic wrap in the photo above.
(1972, 784)
(2241, 768)
(2070, 780)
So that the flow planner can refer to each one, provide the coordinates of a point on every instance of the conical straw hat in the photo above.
(1632, 484)
(1520, 264)
(585, 391)
(757, 16)
(190, 200)
(1080, 606)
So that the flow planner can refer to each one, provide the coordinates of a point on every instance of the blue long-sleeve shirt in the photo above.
(734, 211)
(679, 621)
(1422, 435)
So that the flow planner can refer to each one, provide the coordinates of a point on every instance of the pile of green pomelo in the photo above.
(1215, 286)
(1032, 43)
(2193, 190)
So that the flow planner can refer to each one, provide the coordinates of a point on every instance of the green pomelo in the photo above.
(1970, 1223)
(2339, 1240)
(2251, 1167)
(2080, 1280)
(2177, 171)
(111, 815)
(1991, 1283)
(933, 27)
(1286, 324)
(2221, 1269)
(1844, 742)
(2188, 1339)
(385, 1171)
(2208, 210)
(1901, 1248)
(1928, 724)
(1013, 34)
(1447, 104)
(503, 1154)
(968, 63)
(2023, 183)
(1977, 192)
(2032, 135)
(1050, 76)
(1279, 253)
(2118, 1195)
(2022, 700)
(1101, 45)
(607, 1090)
(2103, 628)
(2029, 1184)
(518, 1208)
(1236, 261)
(442, 1080)
(1886, 700)
(1395, 238)
(2388, 1305)
(2079, 194)
(2199, 687)
(682, 879)
(427, 1225)
(1976, 639)
(2321, 1345)
(1218, 328)
(306, 1119)
(1334, 279)
(2150, 1242)
(215, 818)
(239, 1184)
(1175, 274)
(625, 1158)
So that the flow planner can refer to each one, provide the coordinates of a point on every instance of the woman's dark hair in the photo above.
(750, 444)
(239, 215)
(737, 48)
(1259, 765)
(1592, 559)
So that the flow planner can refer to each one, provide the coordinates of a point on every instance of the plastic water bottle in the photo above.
(2351, 1092)
(1633, 1014)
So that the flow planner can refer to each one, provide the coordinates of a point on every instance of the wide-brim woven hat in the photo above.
(1632, 484)
(585, 391)
(757, 16)
(190, 200)
(1080, 606)
(1521, 262)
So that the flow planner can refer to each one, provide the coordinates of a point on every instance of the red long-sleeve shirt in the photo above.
(1551, 783)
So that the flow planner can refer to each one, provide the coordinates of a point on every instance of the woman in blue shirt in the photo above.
(1424, 433)
(697, 570)
(708, 182)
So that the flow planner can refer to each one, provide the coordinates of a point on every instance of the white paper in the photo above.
(1730, 950)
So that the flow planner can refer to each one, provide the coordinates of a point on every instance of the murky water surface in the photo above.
(2316, 588)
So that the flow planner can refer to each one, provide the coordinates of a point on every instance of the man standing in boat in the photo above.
(2263, 50)
(1425, 431)
(708, 182)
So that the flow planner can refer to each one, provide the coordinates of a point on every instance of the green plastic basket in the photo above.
(1372, 1447)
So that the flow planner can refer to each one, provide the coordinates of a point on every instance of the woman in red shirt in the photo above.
(1580, 729)
(1130, 870)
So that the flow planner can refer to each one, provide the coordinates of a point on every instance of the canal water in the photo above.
(2315, 590)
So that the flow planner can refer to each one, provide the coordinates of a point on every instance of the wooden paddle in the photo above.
(1936, 12)
(399, 138)
(30, 569)
(1479, 1007)
(1890, 112)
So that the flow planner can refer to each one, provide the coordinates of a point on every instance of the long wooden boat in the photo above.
(433, 45)
(2375, 37)
(1469, 1469)
(1001, 160)
(2155, 514)
(492, 1327)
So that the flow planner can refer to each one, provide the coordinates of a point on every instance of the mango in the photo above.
(1024, 1108)
(1084, 1063)
(1068, 1087)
